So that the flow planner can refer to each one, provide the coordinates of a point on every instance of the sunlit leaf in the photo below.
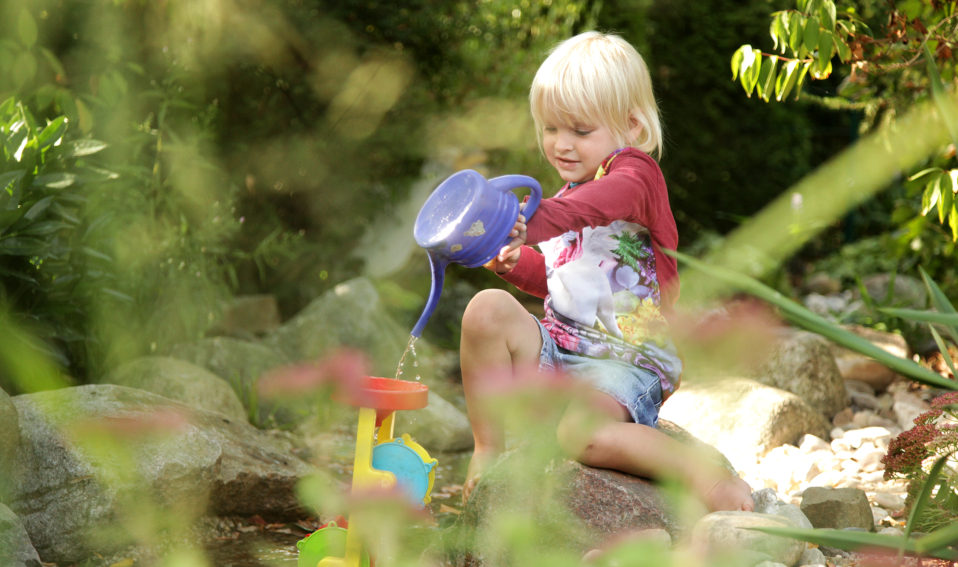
(52, 133)
(852, 541)
(754, 70)
(810, 39)
(60, 180)
(786, 79)
(796, 29)
(80, 148)
(939, 301)
(827, 13)
(738, 59)
(924, 172)
(767, 80)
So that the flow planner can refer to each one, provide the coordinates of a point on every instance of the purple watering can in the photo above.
(466, 221)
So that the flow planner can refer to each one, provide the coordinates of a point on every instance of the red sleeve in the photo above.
(529, 275)
(633, 190)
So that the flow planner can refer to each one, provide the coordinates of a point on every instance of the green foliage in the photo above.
(880, 49)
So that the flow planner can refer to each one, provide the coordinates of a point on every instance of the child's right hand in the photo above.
(508, 255)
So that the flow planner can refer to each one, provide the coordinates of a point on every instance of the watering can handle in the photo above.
(510, 182)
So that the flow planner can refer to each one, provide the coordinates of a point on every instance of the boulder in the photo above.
(861, 368)
(181, 381)
(742, 418)
(15, 547)
(348, 316)
(588, 505)
(802, 363)
(440, 426)
(241, 363)
(732, 533)
(9, 442)
(248, 316)
(94, 456)
(837, 508)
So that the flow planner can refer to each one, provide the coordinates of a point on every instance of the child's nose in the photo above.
(564, 141)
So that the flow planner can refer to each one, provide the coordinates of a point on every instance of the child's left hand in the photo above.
(508, 255)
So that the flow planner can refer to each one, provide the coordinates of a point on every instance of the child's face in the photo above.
(577, 150)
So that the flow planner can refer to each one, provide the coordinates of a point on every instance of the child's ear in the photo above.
(635, 127)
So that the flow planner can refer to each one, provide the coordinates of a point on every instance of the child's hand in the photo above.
(508, 256)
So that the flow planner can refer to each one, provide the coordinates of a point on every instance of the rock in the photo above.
(93, 456)
(855, 366)
(440, 426)
(248, 316)
(906, 405)
(812, 556)
(349, 316)
(741, 418)
(728, 532)
(767, 502)
(9, 442)
(241, 363)
(15, 547)
(182, 381)
(802, 363)
(838, 508)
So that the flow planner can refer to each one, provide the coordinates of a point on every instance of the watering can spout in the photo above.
(438, 267)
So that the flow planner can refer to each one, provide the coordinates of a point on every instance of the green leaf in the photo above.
(943, 349)
(810, 38)
(844, 52)
(925, 172)
(929, 197)
(80, 148)
(59, 180)
(778, 29)
(853, 541)
(922, 316)
(796, 30)
(944, 203)
(38, 208)
(9, 179)
(786, 79)
(22, 246)
(953, 221)
(26, 28)
(52, 133)
(767, 78)
(801, 78)
(925, 493)
(827, 13)
(45, 228)
(738, 59)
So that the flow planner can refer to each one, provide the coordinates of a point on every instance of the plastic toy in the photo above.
(466, 220)
(389, 463)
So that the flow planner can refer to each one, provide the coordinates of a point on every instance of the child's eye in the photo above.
(580, 132)
(550, 129)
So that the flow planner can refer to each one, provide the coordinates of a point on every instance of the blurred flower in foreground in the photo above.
(343, 371)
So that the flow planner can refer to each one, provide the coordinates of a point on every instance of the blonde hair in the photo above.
(597, 79)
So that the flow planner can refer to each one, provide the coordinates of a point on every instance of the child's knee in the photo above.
(487, 311)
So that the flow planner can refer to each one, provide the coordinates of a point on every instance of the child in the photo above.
(602, 274)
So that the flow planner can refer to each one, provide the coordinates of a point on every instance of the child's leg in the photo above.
(600, 433)
(498, 334)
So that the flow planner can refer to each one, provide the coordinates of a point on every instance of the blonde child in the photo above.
(602, 274)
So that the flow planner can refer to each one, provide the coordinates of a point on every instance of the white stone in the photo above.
(811, 443)
(889, 501)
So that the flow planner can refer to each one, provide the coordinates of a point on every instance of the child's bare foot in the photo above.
(730, 493)
(478, 463)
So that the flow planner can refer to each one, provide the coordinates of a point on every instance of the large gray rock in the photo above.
(93, 456)
(741, 418)
(348, 316)
(587, 505)
(9, 442)
(15, 547)
(802, 363)
(181, 381)
(837, 508)
(242, 363)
